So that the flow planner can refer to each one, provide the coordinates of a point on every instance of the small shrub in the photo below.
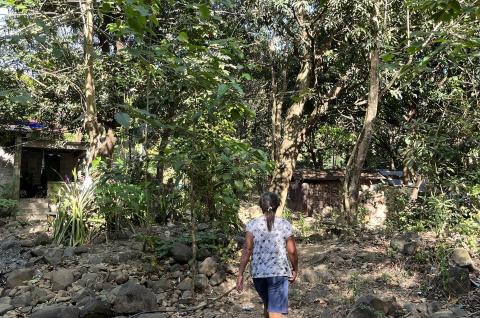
(7, 190)
(398, 215)
(7, 207)
(123, 205)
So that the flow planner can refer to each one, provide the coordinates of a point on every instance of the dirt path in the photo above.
(334, 273)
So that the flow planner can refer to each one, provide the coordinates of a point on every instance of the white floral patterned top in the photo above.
(269, 257)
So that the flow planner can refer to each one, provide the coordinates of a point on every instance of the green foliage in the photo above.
(209, 240)
(6, 190)
(76, 221)
(120, 202)
(399, 214)
(7, 207)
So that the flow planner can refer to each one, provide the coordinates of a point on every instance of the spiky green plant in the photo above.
(76, 211)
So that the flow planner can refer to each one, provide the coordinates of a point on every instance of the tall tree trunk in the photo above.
(351, 183)
(90, 122)
(291, 141)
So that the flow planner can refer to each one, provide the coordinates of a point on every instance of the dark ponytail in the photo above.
(269, 203)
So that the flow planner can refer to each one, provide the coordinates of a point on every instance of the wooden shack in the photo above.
(312, 191)
(34, 160)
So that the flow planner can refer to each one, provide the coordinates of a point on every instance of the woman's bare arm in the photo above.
(293, 257)
(246, 253)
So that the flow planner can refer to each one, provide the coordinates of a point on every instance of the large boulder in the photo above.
(460, 257)
(181, 253)
(19, 276)
(61, 279)
(57, 311)
(458, 282)
(131, 298)
(208, 266)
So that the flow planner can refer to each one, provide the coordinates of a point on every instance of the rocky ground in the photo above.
(370, 275)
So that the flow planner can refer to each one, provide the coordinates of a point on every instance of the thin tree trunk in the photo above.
(277, 104)
(416, 189)
(351, 183)
(90, 122)
(161, 152)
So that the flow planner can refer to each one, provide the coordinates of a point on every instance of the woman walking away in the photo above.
(274, 261)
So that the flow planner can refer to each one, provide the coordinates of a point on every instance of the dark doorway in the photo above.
(43, 167)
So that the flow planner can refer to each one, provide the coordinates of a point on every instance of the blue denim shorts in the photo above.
(274, 293)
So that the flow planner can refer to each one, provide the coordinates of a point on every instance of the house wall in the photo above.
(6, 166)
(315, 196)
(312, 197)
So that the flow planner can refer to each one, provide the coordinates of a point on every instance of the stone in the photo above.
(122, 278)
(88, 280)
(22, 300)
(159, 285)
(458, 282)
(185, 284)
(203, 253)
(218, 278)
(132, 298)
(107, 287)
(19, 276)
(40, 295)
(460, 257)
(315, 294)
(186, 297)
(308, 275)
(5, 305)
(371, 306)
(61, 279)
(202, 227)
(208, 266)
(80, 250)
(155, 315)
(41, 238)
(8, 244)
(83, 296)
(54, 256)
(57, 311)
(406, 244)
(181, 253)
(69, 252)
(27, 243)
(96, 308)
(125, 257)
(201, 282)
(95, 259)
(38, 251)
(452, 313)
